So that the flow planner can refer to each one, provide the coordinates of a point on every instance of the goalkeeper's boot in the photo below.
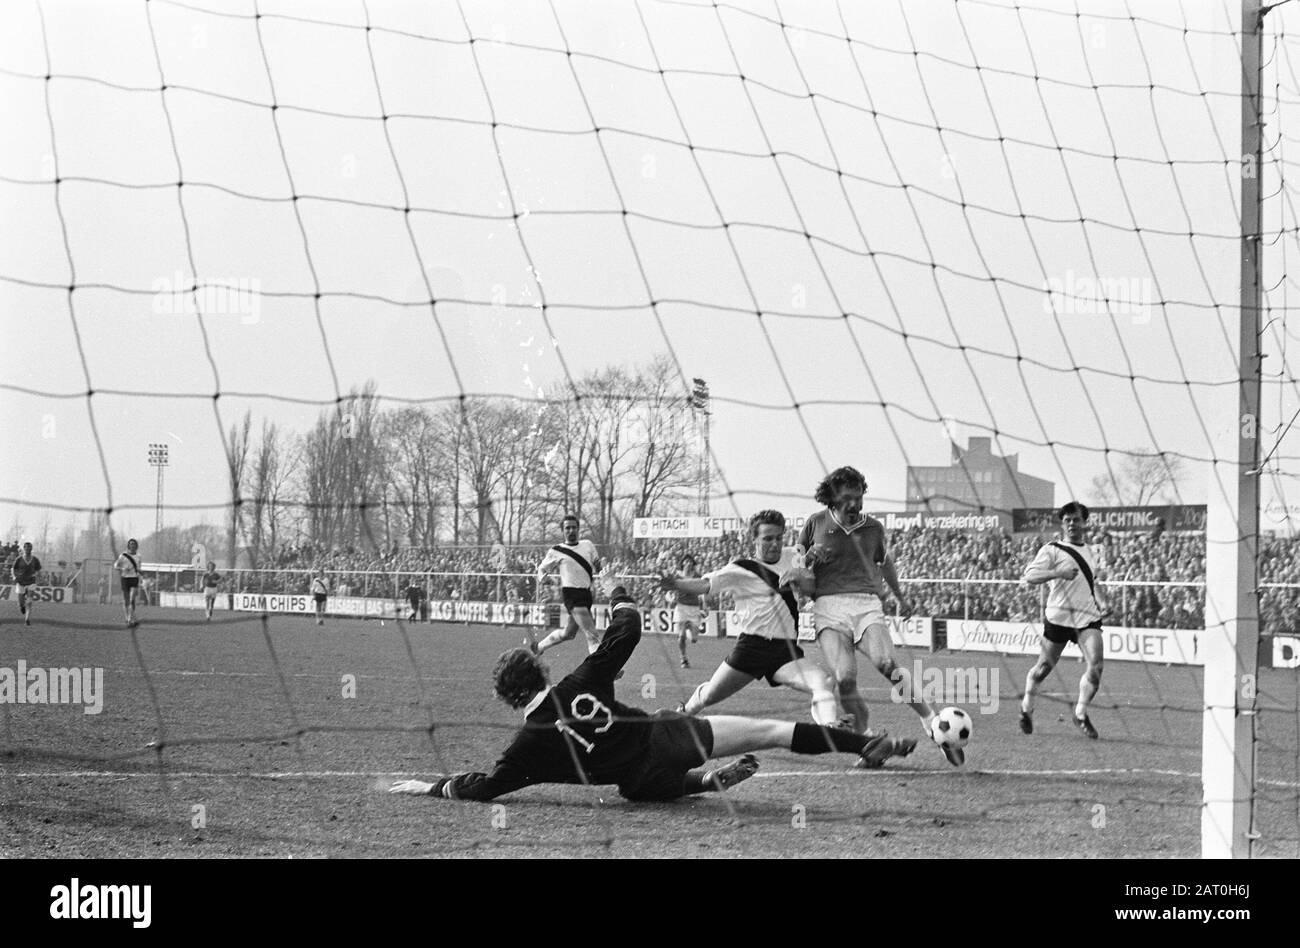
(724, 778)
(1085, 725)
(956, 756)
(880, 747)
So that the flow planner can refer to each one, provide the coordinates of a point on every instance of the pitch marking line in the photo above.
(769, 775)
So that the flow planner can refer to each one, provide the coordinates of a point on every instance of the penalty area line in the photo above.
(761, 775)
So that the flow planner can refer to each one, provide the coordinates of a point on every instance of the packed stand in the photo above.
(975, 575)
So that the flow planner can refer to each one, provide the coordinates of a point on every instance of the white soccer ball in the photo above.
(951, 727)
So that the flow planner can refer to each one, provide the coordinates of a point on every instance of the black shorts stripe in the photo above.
(1061, 634)
(758, 657)
(576, 598)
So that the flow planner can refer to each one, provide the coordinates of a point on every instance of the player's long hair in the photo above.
(832, 482)
(518, 676)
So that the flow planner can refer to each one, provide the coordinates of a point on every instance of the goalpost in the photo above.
(1232, 525)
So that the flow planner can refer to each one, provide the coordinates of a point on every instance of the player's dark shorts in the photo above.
(575, 598)
(319, 597)
(760, 658)
(1060, 634)
(129, 583)
(678, 744)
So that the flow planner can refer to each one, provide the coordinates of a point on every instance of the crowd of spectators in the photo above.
(1152, 579)
(53, 574)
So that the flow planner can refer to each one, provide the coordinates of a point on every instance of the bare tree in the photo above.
(274, 465)
(343, 473)
(609, 403)
(1140, 479)
(419, 472)
(237, 445)
(665, 463)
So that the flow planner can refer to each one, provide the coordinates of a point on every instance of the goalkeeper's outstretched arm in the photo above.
(476, 786)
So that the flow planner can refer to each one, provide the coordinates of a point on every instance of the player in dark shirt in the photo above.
(414, 593)
(25, 570)
(577, 732)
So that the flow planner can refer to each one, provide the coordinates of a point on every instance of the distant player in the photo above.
(850, 561)
(128, 565)
(25, 569)
(576, 732)
(1073, 614)
(688, 610)
(319, 593)
(414, 592)
(211, 583)
(578, 563)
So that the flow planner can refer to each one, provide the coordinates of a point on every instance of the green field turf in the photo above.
(255, 730)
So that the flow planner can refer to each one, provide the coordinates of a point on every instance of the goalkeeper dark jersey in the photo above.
(575, 732)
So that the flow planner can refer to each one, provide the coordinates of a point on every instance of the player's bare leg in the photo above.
(805, 675)
(878, 647)
(726, 681)
(587, 623)
(682, 629)
(843, 662)
(25, 607)
(1049, 653)
(557, 637)
(1090, 644)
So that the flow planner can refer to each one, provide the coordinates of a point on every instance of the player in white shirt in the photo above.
(319, 592)
(211, 583)
(1073, 614)
(768, 616)
(128, 565)
(578, 563)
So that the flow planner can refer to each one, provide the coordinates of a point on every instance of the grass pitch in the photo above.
(243, 737)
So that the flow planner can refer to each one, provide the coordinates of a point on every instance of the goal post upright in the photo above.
(1231, 641)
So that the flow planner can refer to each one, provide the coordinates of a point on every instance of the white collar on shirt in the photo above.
(537, 701)
(860, 523)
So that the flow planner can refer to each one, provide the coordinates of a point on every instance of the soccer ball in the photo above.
(951, 727)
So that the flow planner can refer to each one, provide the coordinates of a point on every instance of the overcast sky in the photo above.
(915, 241)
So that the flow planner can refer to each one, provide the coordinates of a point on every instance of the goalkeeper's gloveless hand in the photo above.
(418, 788)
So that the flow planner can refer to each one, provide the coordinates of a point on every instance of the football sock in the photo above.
(811, 739)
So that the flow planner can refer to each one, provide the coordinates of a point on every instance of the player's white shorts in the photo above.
(209, 594)
(26, 590)
(684, 614)
(849, 613)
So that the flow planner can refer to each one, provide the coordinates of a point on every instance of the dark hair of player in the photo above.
(1073, 507)
(763, 517)
(832, 482)
(132, 540)
(518, 676)
(568, 517)
(27, 546)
